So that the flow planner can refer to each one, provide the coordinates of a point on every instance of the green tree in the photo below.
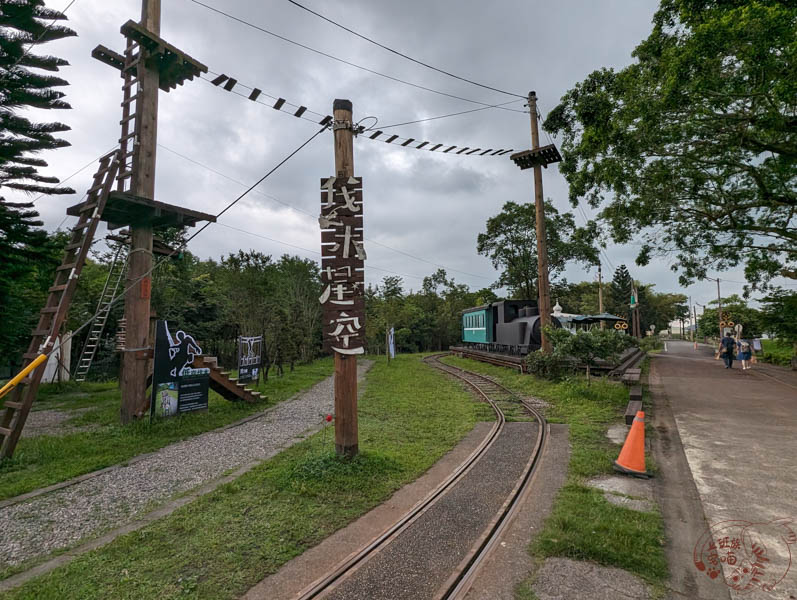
(694, 144)
(510, 241)
(587, 347)
(737, 311)
(779, 317)
(620, 292)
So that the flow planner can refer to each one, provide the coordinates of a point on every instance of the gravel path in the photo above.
(53, 422)
(62, 518)
(417, 562)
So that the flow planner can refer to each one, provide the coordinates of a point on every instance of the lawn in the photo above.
(223, 543)
(44, 460)
(583, 525)
(777, 352)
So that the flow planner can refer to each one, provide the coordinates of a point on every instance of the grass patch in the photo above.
(776, 352)
(583, 525)
(223, 543)
(44, 460)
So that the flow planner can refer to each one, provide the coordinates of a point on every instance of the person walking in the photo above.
(728, 350)
(745, 354)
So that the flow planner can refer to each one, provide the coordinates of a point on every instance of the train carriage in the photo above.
(510, 326)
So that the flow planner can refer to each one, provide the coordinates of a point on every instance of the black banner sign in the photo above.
(177, 386)
(249, 351)
(342, 264)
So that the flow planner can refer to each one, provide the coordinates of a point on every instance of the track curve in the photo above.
(458, 583)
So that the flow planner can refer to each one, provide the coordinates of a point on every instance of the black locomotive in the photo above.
(507, 326)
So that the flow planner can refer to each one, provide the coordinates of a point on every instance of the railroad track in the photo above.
(492, 358)
(461, 579)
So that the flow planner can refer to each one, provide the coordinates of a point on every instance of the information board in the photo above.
(177, 387)
(249, 357)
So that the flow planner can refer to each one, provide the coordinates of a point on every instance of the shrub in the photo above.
(549, 366)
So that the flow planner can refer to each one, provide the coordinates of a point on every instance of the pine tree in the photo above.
(620, 291)
(24, 24)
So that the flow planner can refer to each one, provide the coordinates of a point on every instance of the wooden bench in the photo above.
(631, 410)
(631, 378)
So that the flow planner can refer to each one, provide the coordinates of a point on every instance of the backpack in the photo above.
(745, 346)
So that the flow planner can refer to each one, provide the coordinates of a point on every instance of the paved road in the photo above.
(739, 434)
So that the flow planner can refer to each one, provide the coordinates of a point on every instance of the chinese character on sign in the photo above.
(342, 264)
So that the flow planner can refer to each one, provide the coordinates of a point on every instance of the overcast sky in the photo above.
(427, 205)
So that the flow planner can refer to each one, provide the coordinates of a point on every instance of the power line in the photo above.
(346, 62)
(230, 83)
(456, 114)
(265, 237)
(80, 170)
(299, 210)
(396, 52)
(174, 251)
(38, 39)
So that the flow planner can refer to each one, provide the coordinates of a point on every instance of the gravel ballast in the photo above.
(420, 559)
(64, 517)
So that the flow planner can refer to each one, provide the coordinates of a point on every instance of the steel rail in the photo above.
(355, 559)
(461, 580)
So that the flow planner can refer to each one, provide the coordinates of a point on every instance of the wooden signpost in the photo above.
(343, 276)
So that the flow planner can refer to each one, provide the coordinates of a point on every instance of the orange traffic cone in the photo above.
(632, 457)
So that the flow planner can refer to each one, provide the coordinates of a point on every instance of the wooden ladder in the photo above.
(21, 398)
(112, 282)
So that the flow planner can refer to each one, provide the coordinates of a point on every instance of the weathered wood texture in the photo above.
(135, 368)
(346, 428)
(543, 288)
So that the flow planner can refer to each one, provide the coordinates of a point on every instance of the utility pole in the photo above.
(346, 431)
(543, 287)
(719, 304)
(135, 358)
(694, 312)
(600, 293)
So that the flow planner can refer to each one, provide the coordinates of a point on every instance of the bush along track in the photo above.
(583, 525)
(223, 543)
(48, 459)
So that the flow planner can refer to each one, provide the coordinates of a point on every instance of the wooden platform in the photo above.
(541, 156)
(123, 209)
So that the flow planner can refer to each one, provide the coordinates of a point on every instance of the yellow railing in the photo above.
(22, 374)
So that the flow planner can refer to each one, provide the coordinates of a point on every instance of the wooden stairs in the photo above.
(224, 385)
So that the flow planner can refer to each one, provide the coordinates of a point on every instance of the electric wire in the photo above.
(456, 114)
(37, 40)
(76, 173)
(265, 237)
(399, 141)
(179, 248)
(396, 52)
(346, 62)
(304, 212)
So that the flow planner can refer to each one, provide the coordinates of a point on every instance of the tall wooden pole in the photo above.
(543, 287)
(135, 364)
(346, 433)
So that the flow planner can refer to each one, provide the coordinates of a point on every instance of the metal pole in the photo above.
(346, 429)
(543, 288)
(137, 300)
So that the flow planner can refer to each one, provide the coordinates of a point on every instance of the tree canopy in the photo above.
(695, 144)
(510, 241)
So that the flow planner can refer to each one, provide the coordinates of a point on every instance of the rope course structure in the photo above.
(255, 94)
